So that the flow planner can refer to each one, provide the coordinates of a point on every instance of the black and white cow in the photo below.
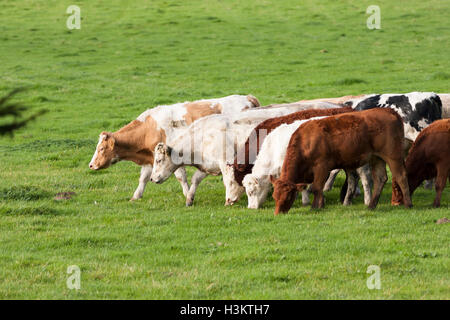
(417, 109)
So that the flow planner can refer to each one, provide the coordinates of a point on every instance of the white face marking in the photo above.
(94, 157)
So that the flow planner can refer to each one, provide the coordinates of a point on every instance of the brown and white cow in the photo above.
(137, 140)
(346, 141)
(429, 157)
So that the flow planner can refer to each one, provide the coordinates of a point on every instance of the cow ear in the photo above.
(272, 179)
(111, 142)
(301, 186)
(159, 147)
(106, 135)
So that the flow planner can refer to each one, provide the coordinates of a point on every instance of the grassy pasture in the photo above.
(129, 56)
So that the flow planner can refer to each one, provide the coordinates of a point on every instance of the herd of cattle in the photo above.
(296, 147)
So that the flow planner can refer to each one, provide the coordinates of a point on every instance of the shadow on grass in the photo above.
(50, 144)
(24, 193)
(31, 211)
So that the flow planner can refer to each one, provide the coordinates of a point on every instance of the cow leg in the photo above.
(330, 180)
(320, 177)
(399, 175)
(367, 182)
(305, 196)
(180, 174)
(379, 176)
(195, 181)
(352, 180)
(146, 172)
(441, 179)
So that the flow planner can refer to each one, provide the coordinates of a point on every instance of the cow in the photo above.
(417, 109)
(350, 100)
(429, 157)
(137, 140)
(255, 140)
(270, 160)
(346, 141)
(213, 142)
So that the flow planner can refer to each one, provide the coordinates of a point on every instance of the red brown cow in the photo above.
(242, 169)
(429, 157)
(345, 141)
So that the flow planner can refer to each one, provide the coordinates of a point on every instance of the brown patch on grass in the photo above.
(64, 195)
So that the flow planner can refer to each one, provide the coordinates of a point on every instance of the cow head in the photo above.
(163, 166)
(233, 190)
(284, 193)
(256, 191)
(105, 153)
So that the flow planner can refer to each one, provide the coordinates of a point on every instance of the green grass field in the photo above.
(132, 55)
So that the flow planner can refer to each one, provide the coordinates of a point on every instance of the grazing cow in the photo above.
(137, 140)
(345, 141)
(251, 148)
(429, 157)
(213, 142)
(268, 163)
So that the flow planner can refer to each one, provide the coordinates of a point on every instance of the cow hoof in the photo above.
(189, 202)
